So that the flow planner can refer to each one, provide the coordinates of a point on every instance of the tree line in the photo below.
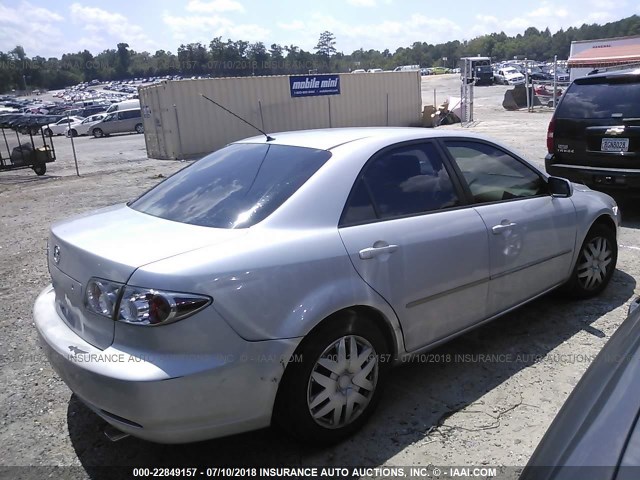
(241, 58)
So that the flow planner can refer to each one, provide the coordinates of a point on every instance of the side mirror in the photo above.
(560, 187)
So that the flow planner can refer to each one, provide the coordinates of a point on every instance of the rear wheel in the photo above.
(97, 132)
(40, 169)
(596, 263)
(72, 133)
(139, 128)
(332, 391)
(48, 132)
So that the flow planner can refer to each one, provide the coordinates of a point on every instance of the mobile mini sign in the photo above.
(314, 85)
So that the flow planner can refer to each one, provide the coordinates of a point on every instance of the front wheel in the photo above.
(72, 133)
(595, 265)
(334, 384)
(98, 133)
(139, 128)
(48, 132)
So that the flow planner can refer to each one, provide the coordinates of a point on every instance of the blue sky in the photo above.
(49, 29)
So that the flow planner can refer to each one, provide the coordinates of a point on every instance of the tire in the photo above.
(73, 133)
(97, 133)
(40, 169)
(595, 265)
(48, 132)
(139, 128)
(311, 385)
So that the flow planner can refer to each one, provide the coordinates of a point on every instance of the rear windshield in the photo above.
(235, 187)
(601, 100)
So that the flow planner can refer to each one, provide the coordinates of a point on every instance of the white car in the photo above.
(61, 126)
(509, 76)
(84, 127)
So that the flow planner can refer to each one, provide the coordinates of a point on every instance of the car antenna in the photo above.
(269, 137)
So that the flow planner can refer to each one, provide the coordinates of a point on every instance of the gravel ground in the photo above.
(484, 399)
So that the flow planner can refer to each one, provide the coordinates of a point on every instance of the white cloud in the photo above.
(214, 6)
(192, 28)
(362, 3)
(111, 27)
(386, 34)
(294, 25)
(545, 14)
(38, 34)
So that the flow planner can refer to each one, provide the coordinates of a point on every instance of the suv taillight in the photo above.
(552, 126)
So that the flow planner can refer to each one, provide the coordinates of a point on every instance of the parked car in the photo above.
(407, 68)
(483, 75)
(92, 110)
(509, 76)
(439, 70)
(536, 73)
(279, 278)
(84, 128)
(124, 105)
(594, 134)
(60, 127)
(122, 121)
(560, 74)
(359, 70)
(375, 70)
(596, 434)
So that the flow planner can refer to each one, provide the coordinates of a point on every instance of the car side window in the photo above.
(403, 181)
(493, 175)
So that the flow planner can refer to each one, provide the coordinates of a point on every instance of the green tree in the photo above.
(122, 67)
(326, 45)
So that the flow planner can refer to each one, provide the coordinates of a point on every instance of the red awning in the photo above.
(606, 56)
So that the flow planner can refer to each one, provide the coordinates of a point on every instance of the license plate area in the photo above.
(614, 145)
(68, 297)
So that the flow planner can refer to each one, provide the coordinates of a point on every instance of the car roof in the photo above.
(329, 138)
(633, 72)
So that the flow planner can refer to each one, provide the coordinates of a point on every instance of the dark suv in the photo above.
(594, 135)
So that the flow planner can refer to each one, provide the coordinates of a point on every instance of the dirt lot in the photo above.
(485, 399)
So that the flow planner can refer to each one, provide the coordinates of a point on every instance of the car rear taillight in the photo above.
(101, 296)
(552, 126)
(140, 306)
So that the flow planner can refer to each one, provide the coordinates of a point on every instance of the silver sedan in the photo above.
(278, 279)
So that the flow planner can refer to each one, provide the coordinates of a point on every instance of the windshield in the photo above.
(511, 71)
(235, 187)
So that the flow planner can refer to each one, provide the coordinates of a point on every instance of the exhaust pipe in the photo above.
(113, 434)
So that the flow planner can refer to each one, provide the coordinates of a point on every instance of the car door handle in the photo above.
(497, 229)
(371, 252)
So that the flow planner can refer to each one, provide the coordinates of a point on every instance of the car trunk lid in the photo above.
(111, 244)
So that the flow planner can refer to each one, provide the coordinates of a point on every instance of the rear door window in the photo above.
(403, 181)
